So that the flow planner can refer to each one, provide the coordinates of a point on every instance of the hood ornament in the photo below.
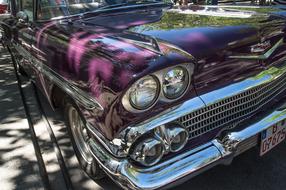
(261, 47)
(264, 50)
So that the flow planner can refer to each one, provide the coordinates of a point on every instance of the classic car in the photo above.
(3, 6)
(153, 93)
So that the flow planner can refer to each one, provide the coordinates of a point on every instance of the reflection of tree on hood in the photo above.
(175, 20)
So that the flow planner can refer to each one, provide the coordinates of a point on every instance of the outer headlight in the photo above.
(148, 152)
(175, 82)
(144, 93)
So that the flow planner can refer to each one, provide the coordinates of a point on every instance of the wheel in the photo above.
(79, 137)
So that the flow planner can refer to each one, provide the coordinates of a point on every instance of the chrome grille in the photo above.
(229, 112)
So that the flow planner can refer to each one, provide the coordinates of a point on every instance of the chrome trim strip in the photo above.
(130, 134)
(234, 139)
(262, 56)
(111, 146)
(177, 49)
(151, 45)
(77, 94)
(185, 165)
(264, 77)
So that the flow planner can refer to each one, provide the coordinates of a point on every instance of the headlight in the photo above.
(144, 92)
(178, 137)
(175, 82)
(148, 152)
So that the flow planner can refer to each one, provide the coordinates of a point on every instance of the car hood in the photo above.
(105, 54)
(199, 30)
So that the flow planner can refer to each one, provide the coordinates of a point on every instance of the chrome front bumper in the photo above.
(188, 164)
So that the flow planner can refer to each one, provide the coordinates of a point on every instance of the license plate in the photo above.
(272, 136)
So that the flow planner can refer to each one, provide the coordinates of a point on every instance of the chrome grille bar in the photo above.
(232, 110)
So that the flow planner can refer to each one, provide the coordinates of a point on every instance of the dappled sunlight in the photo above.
(18, 164)
(9, 94)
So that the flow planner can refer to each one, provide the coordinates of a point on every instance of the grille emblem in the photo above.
(260, 47)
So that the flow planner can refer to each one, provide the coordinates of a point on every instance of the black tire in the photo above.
(91, 167)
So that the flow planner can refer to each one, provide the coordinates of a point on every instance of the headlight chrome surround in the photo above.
(177, 136)
(150, 148)
(129, 98)
(173, 77)
(159, 77)
(148, 152)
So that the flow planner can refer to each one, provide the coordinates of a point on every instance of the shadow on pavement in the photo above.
(18, 164)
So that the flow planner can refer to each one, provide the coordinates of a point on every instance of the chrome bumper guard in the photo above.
(186, 165)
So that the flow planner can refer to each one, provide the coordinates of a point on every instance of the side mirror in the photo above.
(22, 17)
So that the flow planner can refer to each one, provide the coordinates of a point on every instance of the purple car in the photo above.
(153, 93)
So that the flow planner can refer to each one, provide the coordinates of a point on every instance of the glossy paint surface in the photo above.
(104, 54)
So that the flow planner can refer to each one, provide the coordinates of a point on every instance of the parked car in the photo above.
(3, 6)
(155, 94)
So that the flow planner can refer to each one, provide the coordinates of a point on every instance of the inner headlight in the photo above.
(144, 92)
(178, 137)
(175, 82)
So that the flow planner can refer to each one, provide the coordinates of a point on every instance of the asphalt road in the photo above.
(19, 166)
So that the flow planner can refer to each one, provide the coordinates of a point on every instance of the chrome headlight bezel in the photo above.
(143, 148)
(150, 148)
(159, 77)
(184, 87)
(127, 101)
(189, 67)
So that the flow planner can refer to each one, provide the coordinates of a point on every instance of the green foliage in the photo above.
(227, 17)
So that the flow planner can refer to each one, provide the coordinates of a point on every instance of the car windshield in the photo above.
(55, 8)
